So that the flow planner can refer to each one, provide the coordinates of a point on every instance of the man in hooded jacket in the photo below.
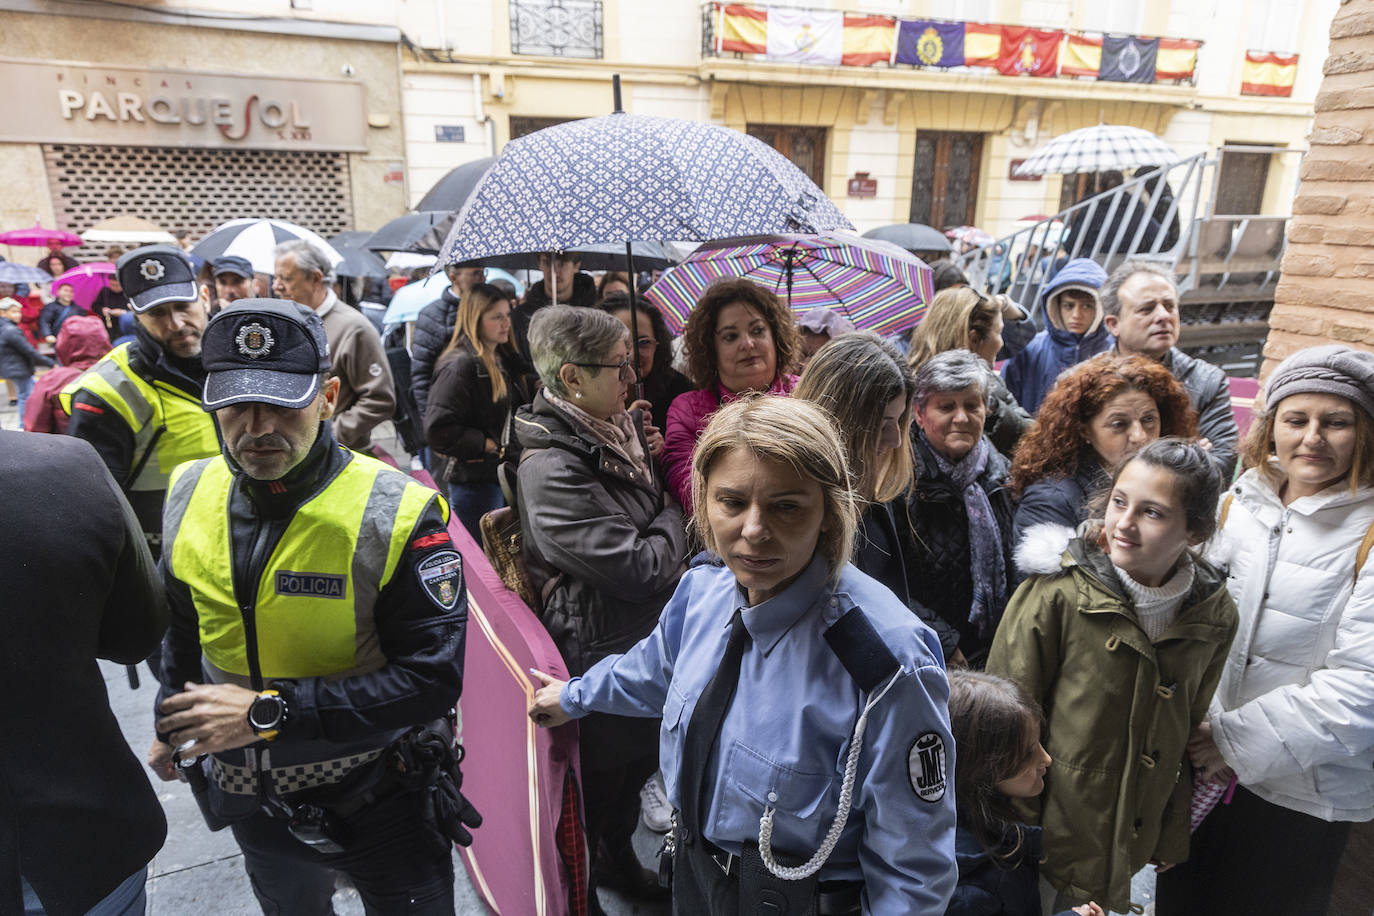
(1074, 331)
(81, 342)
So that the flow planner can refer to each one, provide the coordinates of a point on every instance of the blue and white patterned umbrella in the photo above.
(637, 178)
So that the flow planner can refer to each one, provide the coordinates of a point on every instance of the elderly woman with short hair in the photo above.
(604, 545)
(956, 530)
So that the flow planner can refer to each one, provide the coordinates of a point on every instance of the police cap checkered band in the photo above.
(155, 274)
(267, 351)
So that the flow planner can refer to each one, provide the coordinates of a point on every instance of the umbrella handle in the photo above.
(638, 387)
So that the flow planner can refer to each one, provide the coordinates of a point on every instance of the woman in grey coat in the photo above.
(604, 546)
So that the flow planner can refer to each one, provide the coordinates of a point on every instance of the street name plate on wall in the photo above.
(448, 133)
(80, 103)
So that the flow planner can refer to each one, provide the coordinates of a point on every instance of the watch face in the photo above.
(265, 712)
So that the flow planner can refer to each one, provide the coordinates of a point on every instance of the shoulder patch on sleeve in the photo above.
(925, 764)
(441, 576)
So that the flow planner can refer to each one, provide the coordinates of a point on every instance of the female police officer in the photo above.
(805, 738)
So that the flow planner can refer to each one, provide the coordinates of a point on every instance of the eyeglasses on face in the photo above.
(623, 367)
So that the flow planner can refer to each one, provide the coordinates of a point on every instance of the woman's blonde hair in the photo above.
(1258, 447)
(958, 318)
(793, 432)
(854, 377)
(474, 304)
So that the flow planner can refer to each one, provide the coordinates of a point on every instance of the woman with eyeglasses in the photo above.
(740, 339)
(654, 349)
(604, 545)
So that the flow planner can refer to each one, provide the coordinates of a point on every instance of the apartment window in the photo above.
(556, 28)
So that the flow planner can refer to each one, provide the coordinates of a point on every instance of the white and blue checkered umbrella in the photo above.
(627, 177)
(1098, 149)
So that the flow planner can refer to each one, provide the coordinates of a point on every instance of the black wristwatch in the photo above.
(267, 715)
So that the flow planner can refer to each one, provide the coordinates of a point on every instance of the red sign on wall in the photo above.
(863, 186)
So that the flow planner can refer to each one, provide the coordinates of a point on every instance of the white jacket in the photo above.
(1294, 712)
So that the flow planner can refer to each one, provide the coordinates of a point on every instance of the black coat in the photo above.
(77, 813)
(432, 332)
(878, 551)
(583, 294)
(933, 531)
(660, 388)
(461, 415)
(603, 544)
(1061, 500)
(17, 356)
(987, 888)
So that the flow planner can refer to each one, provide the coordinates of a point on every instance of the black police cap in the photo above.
(265, 351)
(155, 274)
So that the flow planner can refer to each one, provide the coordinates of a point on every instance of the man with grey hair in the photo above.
(1140, 307)
(367, 393)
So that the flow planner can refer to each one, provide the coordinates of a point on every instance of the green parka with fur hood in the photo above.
(1118, 709)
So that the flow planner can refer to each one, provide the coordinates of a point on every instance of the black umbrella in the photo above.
(912, 237)
(451, 191)
(357, 261)
(405, 230)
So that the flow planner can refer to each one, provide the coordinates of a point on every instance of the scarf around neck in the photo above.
(618, 433)
(986, 560)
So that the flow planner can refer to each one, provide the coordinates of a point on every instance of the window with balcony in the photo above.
(804, 146)
(556, 28)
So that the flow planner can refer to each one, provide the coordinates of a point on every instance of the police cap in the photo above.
(155, 274)
(265, 351)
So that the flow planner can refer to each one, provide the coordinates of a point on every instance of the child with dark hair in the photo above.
(997, 732)
(1120, 634)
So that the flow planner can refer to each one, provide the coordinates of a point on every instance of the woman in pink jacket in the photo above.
(740, 339)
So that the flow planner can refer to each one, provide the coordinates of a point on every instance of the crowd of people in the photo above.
(863, 625)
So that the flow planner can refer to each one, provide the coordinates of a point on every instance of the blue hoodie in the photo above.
(1031, 373)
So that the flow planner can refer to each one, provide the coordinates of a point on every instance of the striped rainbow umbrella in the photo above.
(875, 284)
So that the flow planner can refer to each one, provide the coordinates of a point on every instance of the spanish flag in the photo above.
(1081, 56)
(868, 40)
(742, 28)
(982, 44)
(1266, 73)
(1177, 59)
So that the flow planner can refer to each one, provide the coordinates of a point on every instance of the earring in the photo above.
(578, 395)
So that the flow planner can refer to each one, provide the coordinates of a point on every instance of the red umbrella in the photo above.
(87, 280)
(37, 237)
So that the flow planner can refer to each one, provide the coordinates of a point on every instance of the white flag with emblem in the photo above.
(805, 36)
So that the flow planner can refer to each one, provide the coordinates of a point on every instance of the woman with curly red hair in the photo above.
(740, 339)
(1095, 417)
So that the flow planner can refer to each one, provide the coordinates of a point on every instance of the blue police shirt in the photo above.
(786, 735)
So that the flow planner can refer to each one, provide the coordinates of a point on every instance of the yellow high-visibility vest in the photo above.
(314, 600)
(188, 432)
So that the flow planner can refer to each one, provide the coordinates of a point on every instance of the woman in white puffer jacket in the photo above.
(1293, 717)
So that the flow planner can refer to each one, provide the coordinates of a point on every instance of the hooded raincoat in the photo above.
(1118, 709)
(1031, 373)
(80, 343)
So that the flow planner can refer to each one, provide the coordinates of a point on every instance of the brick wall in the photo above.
(1326, 292)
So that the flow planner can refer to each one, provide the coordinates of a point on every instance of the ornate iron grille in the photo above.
(556, 28)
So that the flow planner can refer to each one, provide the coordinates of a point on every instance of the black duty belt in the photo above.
(833, 898)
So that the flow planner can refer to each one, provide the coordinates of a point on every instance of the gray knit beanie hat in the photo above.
(1330, 369)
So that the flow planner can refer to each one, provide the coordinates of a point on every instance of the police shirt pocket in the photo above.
(774, 785)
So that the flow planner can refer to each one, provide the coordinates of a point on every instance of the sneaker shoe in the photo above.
(654, 806)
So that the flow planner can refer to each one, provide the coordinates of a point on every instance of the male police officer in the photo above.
(318, 627)
(140, 404)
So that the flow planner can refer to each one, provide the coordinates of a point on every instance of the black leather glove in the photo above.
(453, 814)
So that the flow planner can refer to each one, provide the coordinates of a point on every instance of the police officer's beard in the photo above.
(287, 452)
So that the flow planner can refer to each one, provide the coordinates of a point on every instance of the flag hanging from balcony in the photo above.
(1176, 59)
(982, 44)
(1081, 56)
(1266, 73)
(743, 29)
(927, 43)
(867, 40)
(1129, 60)
(805, 36)
(1031, 51)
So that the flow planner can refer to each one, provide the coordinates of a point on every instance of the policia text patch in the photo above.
(311, 585)
(441, 574)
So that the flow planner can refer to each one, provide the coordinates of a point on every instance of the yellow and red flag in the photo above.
(1177, 59)
(1266, 73)
(1082, 56)
(982, 44)
(742, 28)
(868, 39)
